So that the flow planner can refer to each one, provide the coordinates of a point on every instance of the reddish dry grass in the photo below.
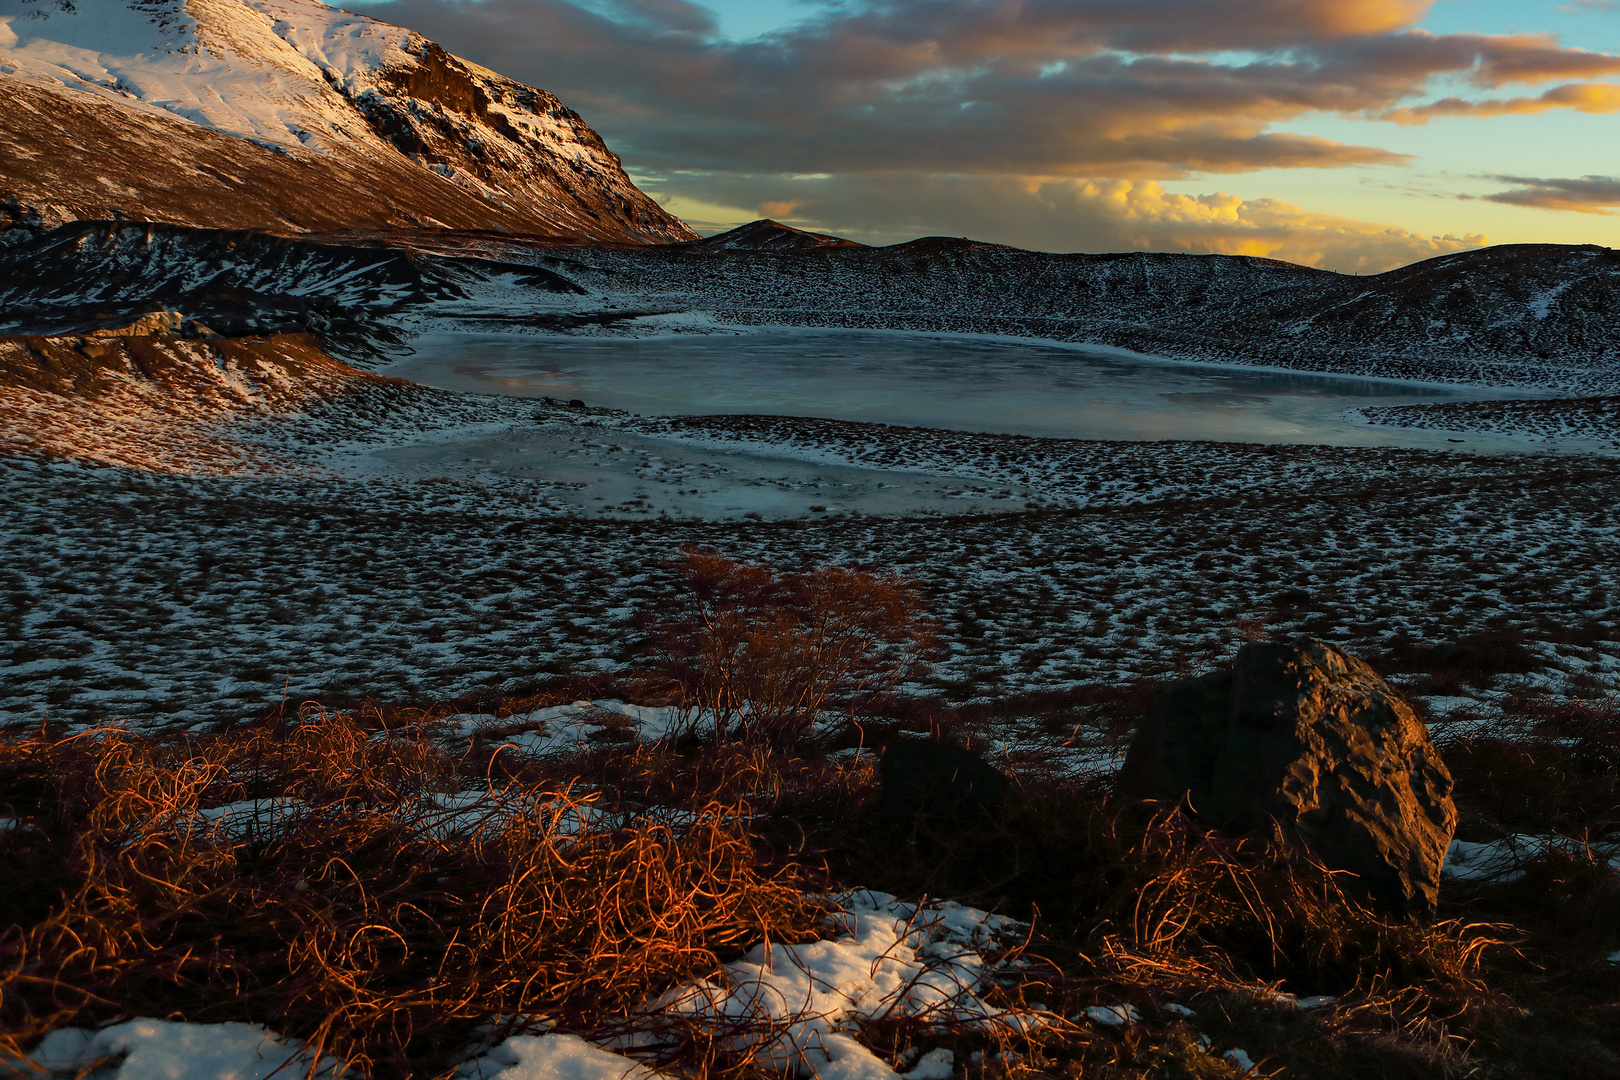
(1142, 908)
(1562, 776)
(353, 924)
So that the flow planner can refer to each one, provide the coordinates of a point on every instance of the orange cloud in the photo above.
(1348, 17)
(1116, 88)
(1059, 214)
(783, 209)
(1224, 224)
(1532, 58)
(1582, 97)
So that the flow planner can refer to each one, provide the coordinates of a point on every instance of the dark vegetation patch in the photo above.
(1471, 660)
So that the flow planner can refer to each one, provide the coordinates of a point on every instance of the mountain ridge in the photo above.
(1536, 316)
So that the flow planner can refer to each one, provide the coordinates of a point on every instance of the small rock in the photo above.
(1311, 736)
(927, 780)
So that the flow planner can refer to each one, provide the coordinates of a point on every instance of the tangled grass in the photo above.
(365, 919)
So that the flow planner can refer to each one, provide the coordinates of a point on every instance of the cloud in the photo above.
(1063, 214)
(1014, 87)
(1586, 195)
(1582, 97)
(1043, 123)
(781, 208)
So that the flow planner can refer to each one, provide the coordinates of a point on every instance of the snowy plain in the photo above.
(335, 570)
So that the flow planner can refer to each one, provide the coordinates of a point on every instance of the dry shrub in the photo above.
(366, 921)
(1472, 660)
(1198, 908)
(660, 774)
(761, 653)
(1562, 776)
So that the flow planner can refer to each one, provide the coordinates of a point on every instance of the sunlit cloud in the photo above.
(782, 208)
(1581, 97)
(1586, 195)
(1095, 87)
(968, 99)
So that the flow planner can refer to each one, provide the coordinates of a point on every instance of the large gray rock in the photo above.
(1311, 736)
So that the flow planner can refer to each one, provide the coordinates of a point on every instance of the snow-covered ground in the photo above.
(179, 598)
(1547, 422)
(1503, 860)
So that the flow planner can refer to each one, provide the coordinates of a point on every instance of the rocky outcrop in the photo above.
(1311, 737)
(18, 223)
(93, 276)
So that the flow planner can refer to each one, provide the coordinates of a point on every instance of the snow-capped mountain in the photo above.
(291, 116)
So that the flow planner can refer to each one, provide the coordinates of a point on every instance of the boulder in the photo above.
(1310, 736)
(927, 781)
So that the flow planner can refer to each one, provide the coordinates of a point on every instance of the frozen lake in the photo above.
(947, 382)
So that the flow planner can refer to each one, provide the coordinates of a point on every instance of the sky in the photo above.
(1355, 135)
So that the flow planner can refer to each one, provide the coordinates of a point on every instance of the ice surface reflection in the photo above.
(915, 380)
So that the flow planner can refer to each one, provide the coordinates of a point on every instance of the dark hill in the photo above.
(768, 235)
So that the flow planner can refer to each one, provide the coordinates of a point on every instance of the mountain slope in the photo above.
(163, 404)
(1525, 315)
(290, 116)
(95, 275)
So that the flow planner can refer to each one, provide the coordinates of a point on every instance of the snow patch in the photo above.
(1503, 860)
(1112, 1015)
(168, 1050)
(935, 1065)
(553, 1056)
(889, 958)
